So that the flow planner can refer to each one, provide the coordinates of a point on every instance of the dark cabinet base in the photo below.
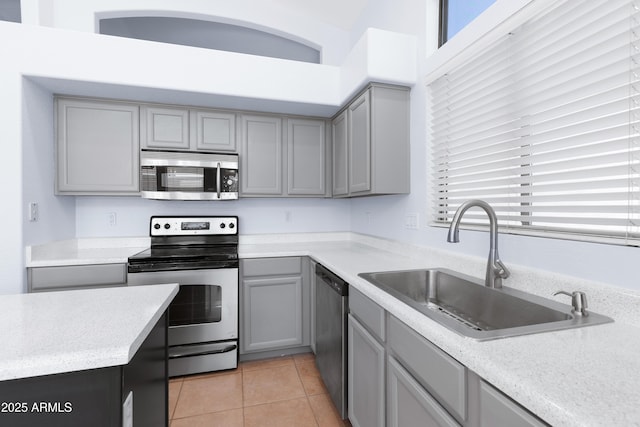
(94, 397)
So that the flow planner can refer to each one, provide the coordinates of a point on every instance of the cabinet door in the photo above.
(213, 130)
(359, 161)
(272, 313)
(261, 157)
(409, 404)
(498, 409)
(165, 128)
(366, 377)
(97, 147)
(306, 157)
(440, 374)
(339, 130)
(63, 277)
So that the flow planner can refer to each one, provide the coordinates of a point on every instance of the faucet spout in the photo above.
(496, 270)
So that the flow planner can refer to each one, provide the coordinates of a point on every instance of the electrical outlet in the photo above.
(287, 216)
(34, 213)
(411, 221)
(112, 218)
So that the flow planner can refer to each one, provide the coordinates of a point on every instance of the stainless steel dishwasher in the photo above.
(332, 307)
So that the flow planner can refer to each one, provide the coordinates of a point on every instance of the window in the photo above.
(209, 35)
(456, 14)
(544, 124)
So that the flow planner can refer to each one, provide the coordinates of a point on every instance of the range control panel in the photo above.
(191, 226)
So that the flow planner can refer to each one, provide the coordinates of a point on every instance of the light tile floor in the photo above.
(285, 391)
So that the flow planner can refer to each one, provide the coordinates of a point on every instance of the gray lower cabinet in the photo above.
(498, 409)
(440, 374)
(67, 277)
(392, 366)
(366, 390)
(409, 404)
(371, 143)
(366, 361)
(97, 147)
(274, 304)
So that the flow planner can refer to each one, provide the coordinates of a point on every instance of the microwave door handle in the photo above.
(218, 184)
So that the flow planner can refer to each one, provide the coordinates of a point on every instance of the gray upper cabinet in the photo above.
(359, 137)
(306, 153)
(340, 155)
(213, 130)
(181, 128)
(261, 159)
(97, 147)
(283, 156)
(374, 144)
(165, 128)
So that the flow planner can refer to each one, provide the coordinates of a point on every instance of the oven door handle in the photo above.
(200, 350)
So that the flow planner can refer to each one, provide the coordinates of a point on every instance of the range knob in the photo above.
(167, 226)
(222, 225)
(156, 226)
(231, 225)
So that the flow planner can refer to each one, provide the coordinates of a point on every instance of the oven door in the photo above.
(206, 306)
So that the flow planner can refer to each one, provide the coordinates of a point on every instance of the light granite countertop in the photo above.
(56, 332)
(578, 377)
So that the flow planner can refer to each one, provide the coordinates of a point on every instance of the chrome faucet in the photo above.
(496, 270)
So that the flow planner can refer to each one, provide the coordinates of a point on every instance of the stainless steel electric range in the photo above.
(201, 255)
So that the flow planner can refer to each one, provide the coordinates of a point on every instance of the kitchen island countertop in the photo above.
(57, 332)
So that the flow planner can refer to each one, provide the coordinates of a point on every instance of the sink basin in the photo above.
(463, 304)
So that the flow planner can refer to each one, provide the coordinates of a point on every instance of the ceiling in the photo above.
(341, 13)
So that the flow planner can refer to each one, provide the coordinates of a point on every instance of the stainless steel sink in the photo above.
(463, 304)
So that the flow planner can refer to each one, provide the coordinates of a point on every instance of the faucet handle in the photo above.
(501, 270)
(578, 302)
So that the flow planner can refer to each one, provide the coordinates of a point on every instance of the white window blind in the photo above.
(544, 125)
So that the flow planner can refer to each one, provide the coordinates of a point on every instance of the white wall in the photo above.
(261, 15)
(56, 215)
(256, 216)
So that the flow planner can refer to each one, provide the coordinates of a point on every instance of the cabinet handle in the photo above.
(176, 354)
(218, 183)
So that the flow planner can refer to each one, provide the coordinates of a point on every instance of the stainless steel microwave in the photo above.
(173, 175)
